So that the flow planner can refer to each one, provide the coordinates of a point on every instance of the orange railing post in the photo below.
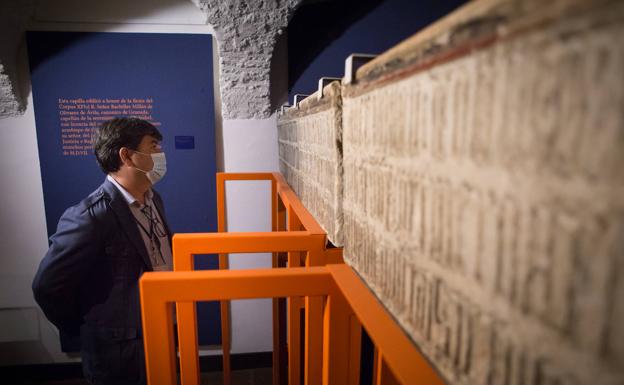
(160, 289)
(186, 313)
(398, 361)
(157, 329)
(280, 357)
(398, 353)
(294, 306)
(337, 303)
(303, 236)
(336, 339)
(313, 340)
(355, 350)
(224, 257)
(185, 245)
(383, 375)
(224, 263)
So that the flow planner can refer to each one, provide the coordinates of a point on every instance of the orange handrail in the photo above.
(301, 234)
(349, 303)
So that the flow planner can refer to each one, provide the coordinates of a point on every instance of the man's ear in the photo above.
(124, 156)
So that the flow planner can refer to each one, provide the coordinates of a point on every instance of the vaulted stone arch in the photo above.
(247, 32)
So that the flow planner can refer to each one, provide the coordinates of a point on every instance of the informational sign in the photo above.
(80, 79)
(79, 117)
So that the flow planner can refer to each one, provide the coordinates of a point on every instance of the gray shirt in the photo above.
(152, 231)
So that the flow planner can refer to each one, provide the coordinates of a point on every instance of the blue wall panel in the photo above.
(175, 72)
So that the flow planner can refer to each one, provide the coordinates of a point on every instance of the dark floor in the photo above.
(260, 376)
(249, 368)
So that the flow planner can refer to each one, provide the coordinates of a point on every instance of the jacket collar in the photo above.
(120, 207)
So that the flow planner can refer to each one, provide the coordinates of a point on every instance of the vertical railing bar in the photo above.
(187, 322)
(355, 349)
(293, 306)
(224, 305)
(315, 257)
(277, 353)
(336, 340)
(159, 358)
(313, 340)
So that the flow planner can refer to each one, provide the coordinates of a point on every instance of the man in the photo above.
(87, 283)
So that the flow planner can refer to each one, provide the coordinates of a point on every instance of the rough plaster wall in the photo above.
(484, 194)
(9, 105)
(247, 32)
(310, 157)
(15, 14)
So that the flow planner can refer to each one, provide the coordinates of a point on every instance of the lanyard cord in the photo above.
(153, 239)
(150, 234)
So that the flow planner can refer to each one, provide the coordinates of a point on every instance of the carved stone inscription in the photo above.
(484, 204)
(311, 159)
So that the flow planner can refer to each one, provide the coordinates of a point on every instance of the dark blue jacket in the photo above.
(87, 284)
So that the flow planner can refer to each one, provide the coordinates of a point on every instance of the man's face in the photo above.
(141, 157)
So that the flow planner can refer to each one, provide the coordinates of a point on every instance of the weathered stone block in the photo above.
(484, 192)
(483, 188)
(310, 153)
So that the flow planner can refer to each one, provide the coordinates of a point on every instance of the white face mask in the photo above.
(160, 166)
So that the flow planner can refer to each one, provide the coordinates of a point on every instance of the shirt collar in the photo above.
(127, 196)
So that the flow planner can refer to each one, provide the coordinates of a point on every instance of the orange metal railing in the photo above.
(294, 232)
(348, 305)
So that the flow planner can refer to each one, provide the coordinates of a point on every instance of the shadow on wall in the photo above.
(322, 34)
(278, 82)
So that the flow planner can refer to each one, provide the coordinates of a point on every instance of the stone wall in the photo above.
(14, 15)
(310, 145)
(484, 190)
(247, 31)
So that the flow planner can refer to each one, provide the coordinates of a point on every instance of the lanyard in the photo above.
(150, 219)
(154, 241)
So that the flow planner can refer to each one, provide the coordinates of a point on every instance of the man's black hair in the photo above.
(117, 133)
